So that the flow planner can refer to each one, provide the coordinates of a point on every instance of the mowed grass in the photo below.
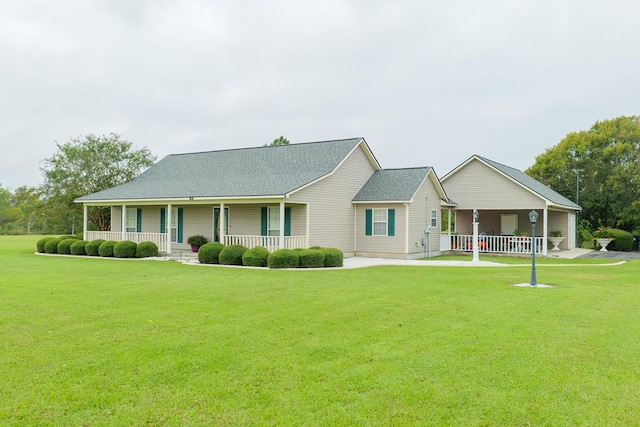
(106, 342)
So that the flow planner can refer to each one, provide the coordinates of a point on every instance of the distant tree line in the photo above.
(600, 170)
(82, 166)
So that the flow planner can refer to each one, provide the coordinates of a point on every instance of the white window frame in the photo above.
(382, 223)
(131, 215)
(273, 220)
(434, 218)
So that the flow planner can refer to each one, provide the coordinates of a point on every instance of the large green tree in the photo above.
(604, 162)
(27, 199)
(85, 165)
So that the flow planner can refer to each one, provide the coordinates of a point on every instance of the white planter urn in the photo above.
(555, 241)
(603, 243)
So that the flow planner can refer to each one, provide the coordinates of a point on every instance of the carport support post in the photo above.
(85, 222)
(281, 239)
(123, 222)
(476, 255)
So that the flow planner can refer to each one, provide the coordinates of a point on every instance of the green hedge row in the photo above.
(71, 245)
(217, 253)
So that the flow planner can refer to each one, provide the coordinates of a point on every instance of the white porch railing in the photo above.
(496, 244)
(272, 243)
(160, 239)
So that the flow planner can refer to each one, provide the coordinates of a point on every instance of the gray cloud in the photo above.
(426, 83)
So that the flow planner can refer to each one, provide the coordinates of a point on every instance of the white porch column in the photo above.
(449, 227)
(281, 239)
(123, 224)
(545, 230)
(167, 228)
(85, 222)
(222, 222)
(476, 257)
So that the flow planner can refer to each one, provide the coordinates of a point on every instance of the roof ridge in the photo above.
(264, 146)
(409, 168)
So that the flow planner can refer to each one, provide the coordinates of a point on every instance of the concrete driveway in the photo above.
(634, 255)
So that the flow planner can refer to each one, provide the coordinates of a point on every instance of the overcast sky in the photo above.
(426, 83)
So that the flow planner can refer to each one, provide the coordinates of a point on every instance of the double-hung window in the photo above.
(380, 222)
(174, 225)
(132, 220)
(434, 218)
(273, 221)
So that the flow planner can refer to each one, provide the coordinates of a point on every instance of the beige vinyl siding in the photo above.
(425, 200)
(477, 186)
(195, 220)
(244, 220)
(298, 220)
(151, 219)
(558, 221)
(116, 218)
(330, 208)
(381, 245)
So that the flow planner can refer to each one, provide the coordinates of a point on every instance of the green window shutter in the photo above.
(216, 218)
(163, 220)
(263, 223)
(180, 227)
(139, 220)
(391, 222)
(368, 228)
(287, 221)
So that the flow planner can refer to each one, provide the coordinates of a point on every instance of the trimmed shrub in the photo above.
(125, 249)
(315, 247)
(255, 257)
(146, 250)
(283, 258)
(232, 255)
(64, 247)
(311, 258)
(623, 240)
(51, 246)
(332, 257)
(106, 248)
(93, 246)
(78, 247)
(209, 253)
(40, 243)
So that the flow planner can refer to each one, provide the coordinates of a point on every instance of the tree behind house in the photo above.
(85, 165)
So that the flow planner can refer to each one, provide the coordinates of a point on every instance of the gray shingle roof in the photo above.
(260, 171)
(532, 184)
(392, 185)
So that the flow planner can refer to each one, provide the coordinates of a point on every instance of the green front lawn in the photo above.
(126, 342)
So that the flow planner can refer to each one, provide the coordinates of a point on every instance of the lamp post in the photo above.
(533, 217)
(577, 172)
(476, 257)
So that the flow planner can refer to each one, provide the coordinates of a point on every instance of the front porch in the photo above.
(507, 231)
(493, 244)
(271, 225)
(272, 243)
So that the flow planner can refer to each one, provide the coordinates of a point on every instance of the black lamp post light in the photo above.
(533, 217)
(533, 283)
